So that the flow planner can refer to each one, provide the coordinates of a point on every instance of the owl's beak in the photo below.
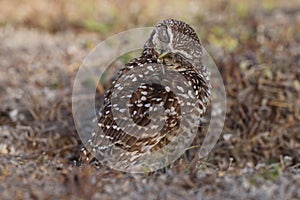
(163, 54)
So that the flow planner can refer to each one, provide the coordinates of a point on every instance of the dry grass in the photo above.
(255, 45)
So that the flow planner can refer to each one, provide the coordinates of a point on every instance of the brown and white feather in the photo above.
(183, 54)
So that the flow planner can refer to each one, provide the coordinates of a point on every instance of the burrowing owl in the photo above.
(173, 45)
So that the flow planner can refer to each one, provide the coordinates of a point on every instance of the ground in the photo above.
(256, 47)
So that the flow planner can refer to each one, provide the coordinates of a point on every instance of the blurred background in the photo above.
(255, 44)
(107, 17)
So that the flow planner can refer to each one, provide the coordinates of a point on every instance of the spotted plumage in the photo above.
(126, 122)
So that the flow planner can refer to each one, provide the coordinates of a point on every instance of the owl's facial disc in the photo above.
(162, 40)
(175, 37)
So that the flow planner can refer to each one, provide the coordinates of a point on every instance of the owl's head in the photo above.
(176, 37)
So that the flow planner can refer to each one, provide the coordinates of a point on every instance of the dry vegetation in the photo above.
(256, 47)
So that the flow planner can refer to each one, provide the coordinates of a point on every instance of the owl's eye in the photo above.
(163, 34)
